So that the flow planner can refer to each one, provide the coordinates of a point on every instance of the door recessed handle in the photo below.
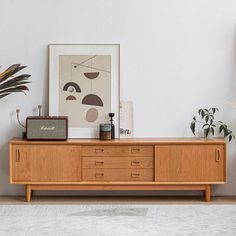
(18, 156)
(217, 155)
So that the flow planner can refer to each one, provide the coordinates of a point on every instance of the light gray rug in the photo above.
(118, 220)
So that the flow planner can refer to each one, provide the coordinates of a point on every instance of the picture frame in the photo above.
(84, 84)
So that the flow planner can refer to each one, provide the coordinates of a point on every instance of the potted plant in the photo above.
(10, 84)
(206, 119)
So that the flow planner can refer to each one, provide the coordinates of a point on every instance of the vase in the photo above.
(206, 137)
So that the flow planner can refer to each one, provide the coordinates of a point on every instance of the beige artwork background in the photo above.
(101, 86)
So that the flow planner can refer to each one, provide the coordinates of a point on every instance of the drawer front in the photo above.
(117, 162)
(117, 175)
(118, 151)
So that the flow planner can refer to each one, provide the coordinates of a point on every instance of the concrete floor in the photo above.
(124, 217)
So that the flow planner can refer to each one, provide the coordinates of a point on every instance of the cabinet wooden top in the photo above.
(130, 141)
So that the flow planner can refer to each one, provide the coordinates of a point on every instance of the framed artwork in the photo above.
(84, 85)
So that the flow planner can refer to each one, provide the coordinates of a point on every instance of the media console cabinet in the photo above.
(126, 164)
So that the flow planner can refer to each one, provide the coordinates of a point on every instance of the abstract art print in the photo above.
(84, 85)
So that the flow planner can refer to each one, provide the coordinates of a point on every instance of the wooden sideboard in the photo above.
(126, 164)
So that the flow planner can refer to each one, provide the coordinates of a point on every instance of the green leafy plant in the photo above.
(10, 83)
(209, 124)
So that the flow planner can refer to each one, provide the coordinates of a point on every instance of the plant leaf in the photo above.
(13, 67)
(221, 128)
(192, 127)
(205, 125)
(212, 131)
(20, 88)
(14, 85)
(202, 114)
(3, 95)
(14, 80)
(11, 72)
(226, 133)
(214, 109)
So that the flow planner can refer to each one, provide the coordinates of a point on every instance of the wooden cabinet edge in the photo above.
(117, 183)
(225, 162)
(10, 163)
(134, 141)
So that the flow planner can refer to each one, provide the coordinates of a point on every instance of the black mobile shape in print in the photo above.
(92, 99)
(72, 84)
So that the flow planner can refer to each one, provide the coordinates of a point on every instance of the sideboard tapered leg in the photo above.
(28, 192)
(208, 193)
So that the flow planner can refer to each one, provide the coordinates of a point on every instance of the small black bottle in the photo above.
(112, 125)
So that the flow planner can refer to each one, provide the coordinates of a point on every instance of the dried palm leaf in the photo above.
(10, 84)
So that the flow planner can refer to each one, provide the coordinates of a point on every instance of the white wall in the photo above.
(176, 56)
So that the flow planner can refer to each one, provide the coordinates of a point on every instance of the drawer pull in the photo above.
(135, 150)
(99, 175)
(217, 155)
(99, 150)
(135, 175)
(99, 163)
(17, 156)
(135, 163)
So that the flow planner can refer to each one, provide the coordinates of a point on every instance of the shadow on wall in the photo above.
(230, 118)
(234, 171)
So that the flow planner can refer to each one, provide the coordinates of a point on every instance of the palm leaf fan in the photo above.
(9, 83)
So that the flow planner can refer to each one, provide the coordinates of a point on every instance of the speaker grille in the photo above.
(53, 129)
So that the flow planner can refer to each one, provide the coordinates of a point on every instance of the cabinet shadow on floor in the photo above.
(103, 200)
